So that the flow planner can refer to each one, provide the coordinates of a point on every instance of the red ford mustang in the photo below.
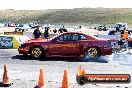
(67, 44)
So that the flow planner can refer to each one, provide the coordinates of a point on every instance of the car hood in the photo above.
(37, 40)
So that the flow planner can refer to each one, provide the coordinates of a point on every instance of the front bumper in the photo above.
(23, 50)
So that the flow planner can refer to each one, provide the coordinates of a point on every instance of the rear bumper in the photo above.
(106, 51)
(23, 50)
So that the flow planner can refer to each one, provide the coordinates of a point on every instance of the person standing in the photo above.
(37, 33)
(55, 30)
(46, 32)
(63, 29)
(125, 38)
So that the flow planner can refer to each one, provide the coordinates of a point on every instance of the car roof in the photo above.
(73, 33)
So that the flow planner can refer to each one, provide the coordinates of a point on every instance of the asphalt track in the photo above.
(24, 71)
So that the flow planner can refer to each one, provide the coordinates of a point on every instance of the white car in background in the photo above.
(112, 28)
(2, 24)
(22, 27)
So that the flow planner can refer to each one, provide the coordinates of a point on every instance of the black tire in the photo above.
(92, 53)
(25, 55)
(81, 80)
(36, 52)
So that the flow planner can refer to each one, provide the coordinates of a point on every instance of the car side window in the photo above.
(81, 37)
(65, 37)
(61, 38)
(75, 36)
(70, 37)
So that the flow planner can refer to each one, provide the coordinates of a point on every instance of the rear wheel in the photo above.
(92, 53)
(36, 52)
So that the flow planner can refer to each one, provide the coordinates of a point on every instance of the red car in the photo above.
(67, 44)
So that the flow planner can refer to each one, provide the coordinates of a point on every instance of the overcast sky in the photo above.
(63, 4)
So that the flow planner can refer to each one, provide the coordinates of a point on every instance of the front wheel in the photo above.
(36, 52)
(92, 53)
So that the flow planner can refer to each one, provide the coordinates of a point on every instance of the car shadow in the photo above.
(21, 57)
(99, 60)
(67, 59)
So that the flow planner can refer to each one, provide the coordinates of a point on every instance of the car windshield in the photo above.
(53, 37)
(94, 36)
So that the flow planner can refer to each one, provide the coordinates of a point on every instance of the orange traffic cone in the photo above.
(6, 81)
(81, 71)
(65, 82)
(84, 73)
(41, 82)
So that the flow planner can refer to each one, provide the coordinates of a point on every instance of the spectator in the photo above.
(122, 32)
(80, 27)
(46, 32)
(60, 30)
(37, 33)
(63, 29)
(121, 43)
(55, 30)
(117, 29)
(111, 32)
(125, 37)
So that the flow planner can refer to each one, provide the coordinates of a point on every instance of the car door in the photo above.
(56, 46)
(64, 45)
(71, 45)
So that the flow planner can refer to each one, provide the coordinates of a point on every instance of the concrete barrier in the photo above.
(8, 29)
(13, 33)
(18, 40)
(12, 41)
